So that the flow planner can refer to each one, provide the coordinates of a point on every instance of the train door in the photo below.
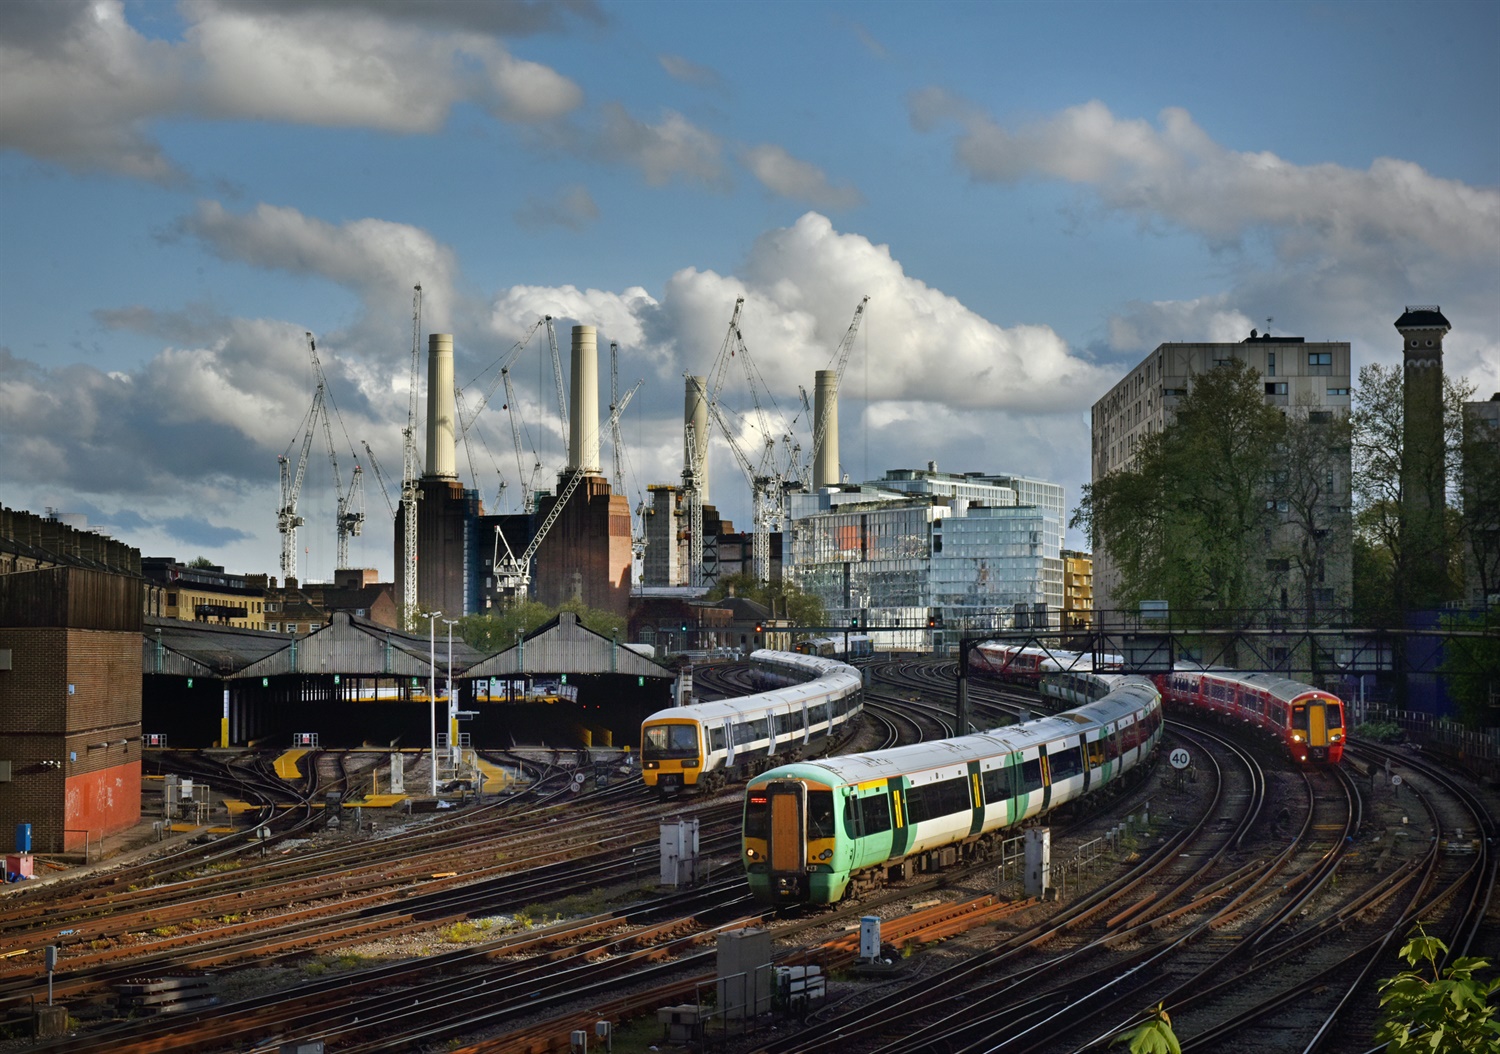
(771, 717)
(806, 724)
(1317, 726)
(729, 743)
(785, 836)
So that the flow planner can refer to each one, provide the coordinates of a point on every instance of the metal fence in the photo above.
(1479, 749)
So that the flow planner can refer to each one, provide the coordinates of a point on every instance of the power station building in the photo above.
(1300, 377)
(586, 554)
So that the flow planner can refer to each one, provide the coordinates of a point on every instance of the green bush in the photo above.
(1381, 732)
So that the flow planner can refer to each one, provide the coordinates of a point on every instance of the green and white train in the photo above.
(816, 830)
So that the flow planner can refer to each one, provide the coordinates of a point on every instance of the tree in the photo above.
(1479, 461)
(1452, 1012)
(1187, 520)
(1471, 668)
(1311, 486)
(783, 599)
(1378, 442)
(491, 633)
(202, 563)
(1152, 1036)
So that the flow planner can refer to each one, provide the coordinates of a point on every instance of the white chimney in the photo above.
(826, 401)
(441, 455)
(583, 402)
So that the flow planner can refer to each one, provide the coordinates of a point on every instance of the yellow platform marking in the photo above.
(496, 779)
(236, 806)
(378, 801)
(287, 767)
(183, 828)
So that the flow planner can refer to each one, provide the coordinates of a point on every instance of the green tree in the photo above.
(1451, 1012)
(1378, 443)
(491, 633)
(783, 599)
(1471, 668)
(1186, 521)
(1310, 491)
(1479, 460)
(1152, 1036)
(202, 563)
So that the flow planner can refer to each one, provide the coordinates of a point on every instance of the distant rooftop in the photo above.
(1423, 316)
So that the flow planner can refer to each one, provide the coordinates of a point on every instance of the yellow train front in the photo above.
(694, 748)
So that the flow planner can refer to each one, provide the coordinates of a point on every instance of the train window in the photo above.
(1335, 714)
(1031, 775)
(942, 798)
(816, 715)
(1299, 716)
(875, 813)
(1096, 753)
(716, 738)
(1112, 745)
(784, 725)
(749, 731)
(819, 815)
(757, 815)
(852, 825)
(1064, 761)
(997, 784)
(670, 741)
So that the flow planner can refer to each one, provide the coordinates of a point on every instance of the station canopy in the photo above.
(565, 645)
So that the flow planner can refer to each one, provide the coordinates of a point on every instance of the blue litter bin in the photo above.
(23, 837)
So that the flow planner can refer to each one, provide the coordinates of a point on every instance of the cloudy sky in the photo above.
(1031, 195)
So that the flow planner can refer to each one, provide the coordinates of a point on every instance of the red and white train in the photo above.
(1308, 722)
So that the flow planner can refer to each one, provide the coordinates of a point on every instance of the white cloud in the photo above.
(689, 72)
(670, 149)
(573, 207)
(1173, 170)
(781, 173)
(1207, 319)
(83, 88)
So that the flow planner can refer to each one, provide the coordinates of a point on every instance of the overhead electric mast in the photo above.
(841, 359)
(512, 572)
(411, 472)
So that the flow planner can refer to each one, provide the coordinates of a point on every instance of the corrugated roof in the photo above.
(565, 645)
(353, 645)
(200, 649)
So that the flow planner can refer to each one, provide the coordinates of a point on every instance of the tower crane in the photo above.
(287, 519)
(841, 359)
(410, 473)
(349, 516)
(379, 477)
(512, 572)
(526, 482)
(692, 492)
(562, 391)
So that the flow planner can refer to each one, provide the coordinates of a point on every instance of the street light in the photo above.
(452, 705)
(432, 617)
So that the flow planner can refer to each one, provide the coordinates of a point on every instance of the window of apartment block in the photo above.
(171, 600)
(274, 627)
(1320, 363)
(1270, 364)
(1338, 391)
(1276, 387)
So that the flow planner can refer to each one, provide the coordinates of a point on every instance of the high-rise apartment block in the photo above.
(1300, 377)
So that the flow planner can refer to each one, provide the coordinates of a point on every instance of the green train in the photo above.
(816, 830)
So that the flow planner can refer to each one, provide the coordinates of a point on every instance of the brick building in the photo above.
(70, 683)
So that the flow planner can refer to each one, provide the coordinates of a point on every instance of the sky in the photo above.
(1032, 196)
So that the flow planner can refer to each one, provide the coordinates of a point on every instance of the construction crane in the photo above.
(379, 477)
(562, 391)
(512, 572)
(692, 494)
(411, 473)
(526, 483)
(287, 519)
(349, 515)
(614, 428)
(841, 359)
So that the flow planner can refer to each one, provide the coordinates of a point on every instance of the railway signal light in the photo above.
(854, 622)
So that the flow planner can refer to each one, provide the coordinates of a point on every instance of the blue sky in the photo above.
(1032, 195)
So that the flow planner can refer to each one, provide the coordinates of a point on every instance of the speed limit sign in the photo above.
(1179, 758)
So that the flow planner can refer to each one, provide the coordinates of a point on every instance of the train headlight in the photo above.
(826, 854)
(750, 853)
(1337, 737)
(1298, 737)
(652, 765)
(689, 763)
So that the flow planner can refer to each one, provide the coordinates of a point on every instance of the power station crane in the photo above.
(692, 493)
(411, 472)
(512, 572)
(841, 359)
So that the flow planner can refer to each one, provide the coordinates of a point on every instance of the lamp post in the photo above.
(432, 617)
(452, 704)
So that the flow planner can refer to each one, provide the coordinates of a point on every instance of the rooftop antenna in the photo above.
(1269, 320)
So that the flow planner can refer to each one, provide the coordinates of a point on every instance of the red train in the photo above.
(1308, 722)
